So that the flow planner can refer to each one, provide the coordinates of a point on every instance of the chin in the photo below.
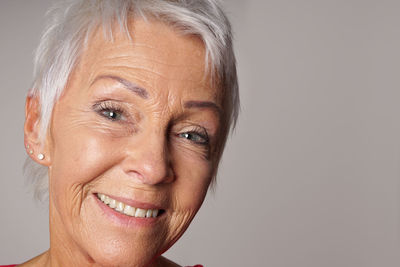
(118, 253)
(109, 241)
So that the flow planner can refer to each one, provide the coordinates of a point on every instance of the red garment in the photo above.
(198, 265)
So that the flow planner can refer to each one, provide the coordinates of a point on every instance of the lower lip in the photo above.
(125, 220)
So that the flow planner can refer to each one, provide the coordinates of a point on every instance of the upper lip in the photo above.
(135, 203)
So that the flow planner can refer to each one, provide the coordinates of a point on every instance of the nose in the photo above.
(148, 159)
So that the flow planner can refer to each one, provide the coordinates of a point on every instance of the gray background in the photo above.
(311, 176)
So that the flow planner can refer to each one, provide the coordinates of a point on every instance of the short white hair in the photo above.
(72, 22)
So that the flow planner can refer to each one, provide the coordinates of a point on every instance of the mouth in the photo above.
(129, 210)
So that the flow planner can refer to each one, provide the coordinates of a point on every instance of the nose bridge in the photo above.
(150, 157)
(155, 161)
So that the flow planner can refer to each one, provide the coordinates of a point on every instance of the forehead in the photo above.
(156, 57)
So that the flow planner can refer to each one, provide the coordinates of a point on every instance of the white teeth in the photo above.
(120, 207)
(149, 213)
(140, 213)
(113, 203)
(129, 210)
(126, 209)
(155, 213)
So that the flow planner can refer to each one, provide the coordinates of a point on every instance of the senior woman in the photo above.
(128, 115)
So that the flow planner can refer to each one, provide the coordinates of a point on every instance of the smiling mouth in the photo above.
(127, 209)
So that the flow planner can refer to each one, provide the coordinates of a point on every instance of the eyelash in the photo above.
(200, 132)
(111, 107)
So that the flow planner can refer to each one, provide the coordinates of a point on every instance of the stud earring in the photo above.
(29, 150)
(40, 156)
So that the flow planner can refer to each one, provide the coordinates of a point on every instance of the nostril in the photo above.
(156, 172)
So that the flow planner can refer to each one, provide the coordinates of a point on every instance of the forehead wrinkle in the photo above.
(135, 62)
(168, 59)
(127, 65)
(114, 51)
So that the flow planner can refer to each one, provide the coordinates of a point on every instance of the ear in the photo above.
(37, 149)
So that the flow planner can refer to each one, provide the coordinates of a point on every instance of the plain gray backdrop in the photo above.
(311, 176)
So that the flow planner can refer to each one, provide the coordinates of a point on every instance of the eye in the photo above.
(110, 110)
(112, 114)
(195, 137)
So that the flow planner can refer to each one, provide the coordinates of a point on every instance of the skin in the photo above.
(153, 148)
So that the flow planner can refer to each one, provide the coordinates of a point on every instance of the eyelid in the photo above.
(196, 129)
(112, 106)
(202, 132)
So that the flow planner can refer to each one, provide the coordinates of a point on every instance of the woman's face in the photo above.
(138, 123)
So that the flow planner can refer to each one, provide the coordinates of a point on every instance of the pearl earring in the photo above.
(40, 156)
(29, 150)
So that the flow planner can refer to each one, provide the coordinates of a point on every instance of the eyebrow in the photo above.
(145, 95)
(127, 84)
(203, 104)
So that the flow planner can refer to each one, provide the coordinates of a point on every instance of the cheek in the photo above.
(78, 160)
(192, 182)
(187, 194)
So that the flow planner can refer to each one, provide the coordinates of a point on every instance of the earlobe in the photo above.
(35, 148)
